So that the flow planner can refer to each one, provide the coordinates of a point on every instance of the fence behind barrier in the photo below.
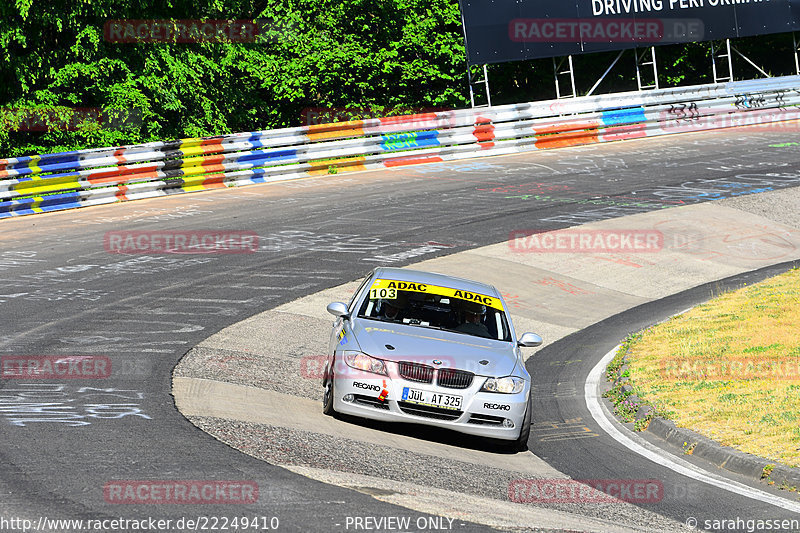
(50, 182)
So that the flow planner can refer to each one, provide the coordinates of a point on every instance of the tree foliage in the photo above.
(59, 68)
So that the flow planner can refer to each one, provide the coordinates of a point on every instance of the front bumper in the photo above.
(482, 414)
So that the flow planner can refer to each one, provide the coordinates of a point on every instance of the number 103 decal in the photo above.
(384, 294)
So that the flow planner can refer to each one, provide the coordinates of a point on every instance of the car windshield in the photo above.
(430, 306)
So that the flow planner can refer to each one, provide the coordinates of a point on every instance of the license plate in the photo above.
(433, 399)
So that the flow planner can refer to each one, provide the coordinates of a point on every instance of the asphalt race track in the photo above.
(64, 294)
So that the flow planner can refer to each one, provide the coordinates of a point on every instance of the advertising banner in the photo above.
(512, 30)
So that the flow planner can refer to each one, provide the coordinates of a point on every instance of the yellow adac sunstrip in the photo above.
(387, 289)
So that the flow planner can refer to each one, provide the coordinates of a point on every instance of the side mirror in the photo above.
(529, 340)
(338, 309)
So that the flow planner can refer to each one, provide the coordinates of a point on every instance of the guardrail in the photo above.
(66, 180)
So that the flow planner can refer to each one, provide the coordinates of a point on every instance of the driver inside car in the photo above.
(392, 310)
(473, 316)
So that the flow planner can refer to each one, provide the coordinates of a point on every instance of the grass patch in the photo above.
(728, 369)
(627, 405)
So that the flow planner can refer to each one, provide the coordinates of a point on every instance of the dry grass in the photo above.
(730, 368)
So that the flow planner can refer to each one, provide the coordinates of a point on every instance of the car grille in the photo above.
(370, 401)
(416, 372)
(429, 412)
(454, 379)
(486, 420)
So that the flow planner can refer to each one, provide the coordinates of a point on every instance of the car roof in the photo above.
(432, 278)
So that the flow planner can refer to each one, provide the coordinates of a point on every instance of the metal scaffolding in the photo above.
(641, 62)
(558, 74)
(646, 71)
(726, 55)
(473, 82)
(796, 56)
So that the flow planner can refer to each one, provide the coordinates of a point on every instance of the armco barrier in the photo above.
(51, 182)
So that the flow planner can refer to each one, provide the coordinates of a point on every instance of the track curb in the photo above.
(722, 456)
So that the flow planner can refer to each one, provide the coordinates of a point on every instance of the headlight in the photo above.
(362, 361)
(506, 385)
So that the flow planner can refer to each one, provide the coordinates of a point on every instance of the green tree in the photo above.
(57, 63)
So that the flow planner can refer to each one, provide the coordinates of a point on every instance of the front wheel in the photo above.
(327, 397)
(520, 444)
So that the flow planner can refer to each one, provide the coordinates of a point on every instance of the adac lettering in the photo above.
(466, 295)
(406, 286)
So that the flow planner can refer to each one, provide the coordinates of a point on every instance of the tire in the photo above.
(520, 444)
(327, 396)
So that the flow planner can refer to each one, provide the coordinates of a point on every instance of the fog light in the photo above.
(508, 423)
(350, 398)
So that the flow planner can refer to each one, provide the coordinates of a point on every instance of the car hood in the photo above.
(484, 357)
